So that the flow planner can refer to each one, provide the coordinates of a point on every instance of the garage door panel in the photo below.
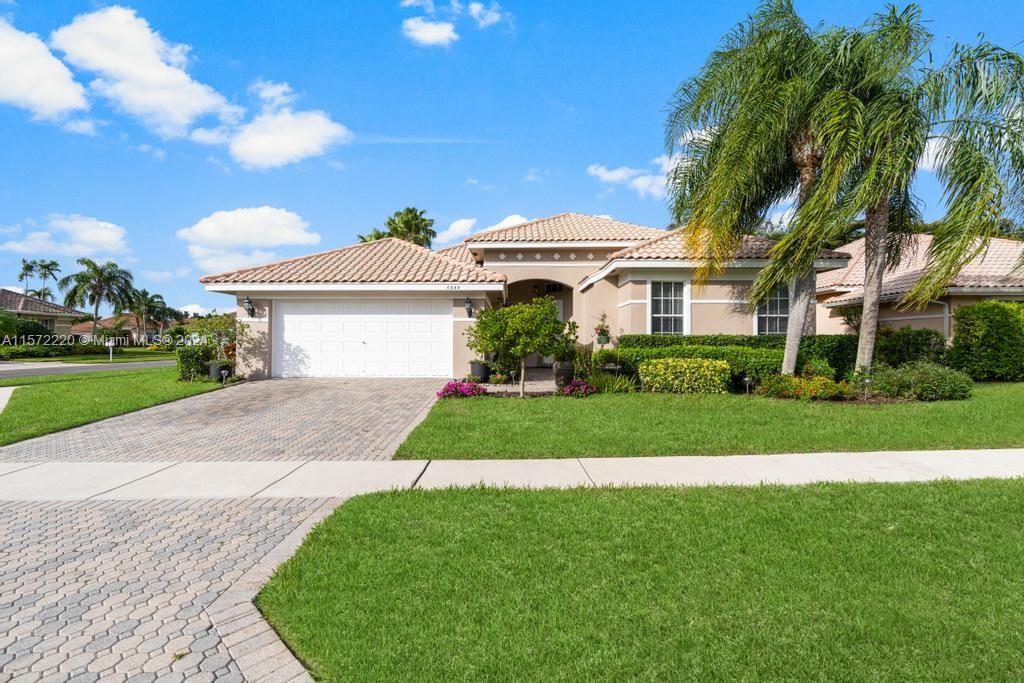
(339, 338)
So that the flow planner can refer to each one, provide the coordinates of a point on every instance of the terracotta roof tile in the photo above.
(997, 267)
(672, 246)
(126, 322)
(385, 260)
(460, 252)
(20, 303)
(568, 227)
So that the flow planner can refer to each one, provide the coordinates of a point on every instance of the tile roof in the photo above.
(388, 260)
(20, 303)
(568, 227)
(460, 252)
(996, 267)
(126, 322)
(672, 246)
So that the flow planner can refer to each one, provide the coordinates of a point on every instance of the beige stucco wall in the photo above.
(716, 318)
(934, 316)
(252, 352)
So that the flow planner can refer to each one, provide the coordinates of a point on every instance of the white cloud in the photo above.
(194, 309)
(424, 32)
(612, 175)
(140, 71)
(226, 240)
(458, 230)
(210, 136)
(536, 175)
(511, 219)
(156, 152)
(165, 275)
(33, 79)
(644, 183)
(14, 288)
(274, 95)
(933, 149)
(425, 5)
(71, 235)
(278, 138)
(82, 126)
(485, 16)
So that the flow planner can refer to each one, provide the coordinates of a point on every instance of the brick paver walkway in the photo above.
(300, 419)
(108, 591)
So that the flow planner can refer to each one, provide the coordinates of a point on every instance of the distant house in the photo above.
(55, 317)
(992, 275)
(124, 325)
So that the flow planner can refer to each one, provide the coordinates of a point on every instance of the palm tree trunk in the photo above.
(801, 291)
(876, 235)
(522, 378)
(95, 317)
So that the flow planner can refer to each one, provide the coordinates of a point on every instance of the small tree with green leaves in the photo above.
(513, 333)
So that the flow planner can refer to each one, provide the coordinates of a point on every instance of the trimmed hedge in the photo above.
(907, 345)
(840, 350)
(921, 381)
(685, 376)
(757, 364)
(194, 361)
(988, 341)
(804, 388)
(50, 351)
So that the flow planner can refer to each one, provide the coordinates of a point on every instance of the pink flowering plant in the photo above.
(578, 389)
(461, 389)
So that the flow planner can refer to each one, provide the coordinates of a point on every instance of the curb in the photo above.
(251, 641)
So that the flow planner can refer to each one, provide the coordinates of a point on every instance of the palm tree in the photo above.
(373, 235)
(144, 305)
(97, 284)
(875, 128)
(743, 129)
(47, 268)
(44, 293)
(410, 224)
(28, 269)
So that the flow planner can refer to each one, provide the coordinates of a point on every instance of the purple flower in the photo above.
(578, 389)
(460, 389)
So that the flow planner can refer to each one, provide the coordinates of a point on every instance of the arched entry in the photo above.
(524, 291)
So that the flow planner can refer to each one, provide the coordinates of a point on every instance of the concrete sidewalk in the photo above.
(339, 479)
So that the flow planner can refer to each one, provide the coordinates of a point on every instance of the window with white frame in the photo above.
(668, 307)
(773, 314)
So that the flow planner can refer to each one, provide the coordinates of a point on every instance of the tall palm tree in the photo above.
(410, 224)
(47, 269)
(875, 128)
(743, 131)
(28, 269)
(97, 284)
(373, 235)
(144, 305)
(44, 293)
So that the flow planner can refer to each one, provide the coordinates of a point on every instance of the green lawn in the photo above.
(50, 403)
(666, 424)
(828, 582)
(127, 356)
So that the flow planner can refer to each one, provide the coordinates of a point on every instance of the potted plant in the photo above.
(602, 330)
(480, 369)
(564, 353)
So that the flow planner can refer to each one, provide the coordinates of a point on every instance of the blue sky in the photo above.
(186, 137)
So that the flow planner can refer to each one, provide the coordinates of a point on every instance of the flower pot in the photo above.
(563, 372)
(217, 365)
(480, 370)
(602, 339)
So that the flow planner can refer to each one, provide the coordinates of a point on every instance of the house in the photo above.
(994, 274)
(126, 326)
(393, 309)
(55, 317)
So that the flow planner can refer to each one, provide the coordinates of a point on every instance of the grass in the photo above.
(666, 424)
(827, 582)
(126, 356)
(50, 403)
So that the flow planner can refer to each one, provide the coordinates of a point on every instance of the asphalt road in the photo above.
(11, 369)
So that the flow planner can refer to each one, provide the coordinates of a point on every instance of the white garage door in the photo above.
(338, 338)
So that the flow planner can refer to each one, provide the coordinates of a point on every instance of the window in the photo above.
(773, 314)
(668, 307)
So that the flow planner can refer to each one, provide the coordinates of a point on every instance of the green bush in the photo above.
(583, 362)
(757, 364)
(840, 350)
(988, 341)
(49, 351)
(607, 383)
(818, 367)
(8, 324)
(194, 361)
(906, 345)
(685, 376)
(804, 388)
(921, 381)
(31, 328)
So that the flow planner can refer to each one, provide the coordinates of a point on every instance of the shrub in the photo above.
(988, 341)
(194, 361)
(804, 388)
(510, 334)
(460, 389)
(8, 324)
(578, 388)
(50, 351)
(685, 375)
(921, 381)
(583, 361)
(818, 367)
(607, 383)
(906, 345)
(840, 350)
(500, 378)
(757, 364)
(31, 328)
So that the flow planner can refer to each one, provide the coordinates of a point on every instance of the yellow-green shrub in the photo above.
(685, 375)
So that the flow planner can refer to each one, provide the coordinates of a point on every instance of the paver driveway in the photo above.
(308, 419)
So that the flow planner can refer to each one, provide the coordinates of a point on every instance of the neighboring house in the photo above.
(992, 275)
(55, 317)
(392, 309)
(123, 325)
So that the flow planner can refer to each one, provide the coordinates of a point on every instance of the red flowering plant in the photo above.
(578, 389)
(461, 389)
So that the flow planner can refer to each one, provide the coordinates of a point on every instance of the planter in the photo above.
(480, 370)
(602, 339)
(216, 366)
(563, 372)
